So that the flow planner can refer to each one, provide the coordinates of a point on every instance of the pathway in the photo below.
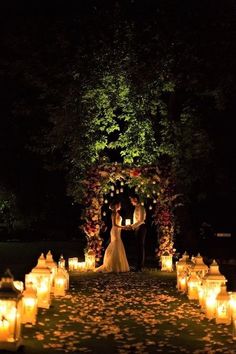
(128, 313)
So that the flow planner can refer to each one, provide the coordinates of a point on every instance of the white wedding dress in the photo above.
(115, 259)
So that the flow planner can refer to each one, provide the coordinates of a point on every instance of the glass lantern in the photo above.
(90, 260)
(10, 314)
(81, 266)
(29, 304)
(127, 222)
(199, 267)
(193, 286)
(212, 282)
(60, 283)
(182, 282)
(223, 311)
(72, 263)
(233, 303)
(51, 265)
(167, 263)
(40, 276)
(183, 267)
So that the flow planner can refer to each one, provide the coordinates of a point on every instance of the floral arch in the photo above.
(103, 181)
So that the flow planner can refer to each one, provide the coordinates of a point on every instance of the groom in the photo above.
(140, 230)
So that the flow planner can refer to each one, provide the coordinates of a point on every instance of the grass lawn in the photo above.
(125, 313)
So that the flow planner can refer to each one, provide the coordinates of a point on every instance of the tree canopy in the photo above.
(124, 81)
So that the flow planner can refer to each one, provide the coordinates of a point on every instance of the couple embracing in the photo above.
(115, 259)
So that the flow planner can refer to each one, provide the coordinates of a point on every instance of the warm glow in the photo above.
(81, 266)
(210, 306)
(19, 285)
(182, 283)
(4, 329)
(41, 279)
(73, 263)
(201, 295)
(166, 263)
(234, 328)
(30, 305)
(127, 222)
(60, 284)
(90, 260)
(232, 302)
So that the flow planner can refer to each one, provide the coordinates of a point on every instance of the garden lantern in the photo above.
(62, 262)
(182, 269)
(201, 295)
(166, 263)
(90, 260)
(10, 314)
(212, 282)
(81, 266)
(233, 304)
(40, 276)
(29, 304)
(60, 283)
(223, 313)
(199, 267)
(72, 263)
(193, 286)
(51, 265)
(182, 282)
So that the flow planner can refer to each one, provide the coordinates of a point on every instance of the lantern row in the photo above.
(208, 286)
(87, 265)
(19, 304)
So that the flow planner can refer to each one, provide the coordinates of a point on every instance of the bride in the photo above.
(115, 257)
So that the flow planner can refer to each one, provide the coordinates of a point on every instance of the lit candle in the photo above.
(210, 306)
(166, 263)
(81, 266)
(60, 284)
(201, 295)
(127, 222)
(182, 284)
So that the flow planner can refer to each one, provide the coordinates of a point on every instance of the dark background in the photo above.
(42, 210)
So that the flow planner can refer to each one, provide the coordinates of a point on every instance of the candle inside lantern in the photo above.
(210, 306)
(166, 263)
(81, 266)
(73, 263)
(182, 283)
(127, 222)
(90, 260)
